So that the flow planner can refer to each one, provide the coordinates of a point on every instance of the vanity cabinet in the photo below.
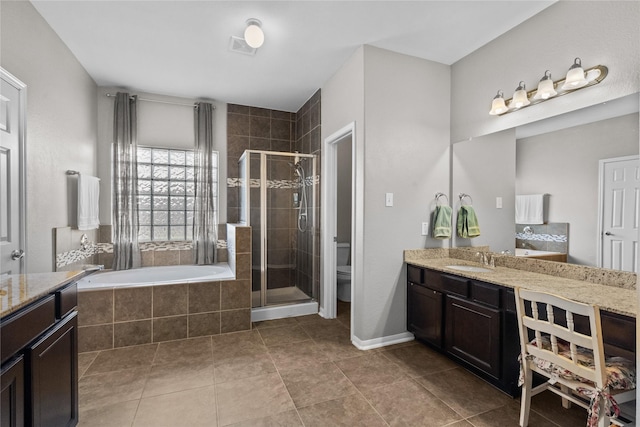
(475, 323)
(40, 362)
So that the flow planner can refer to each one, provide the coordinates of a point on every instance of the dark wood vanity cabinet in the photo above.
(40, 362)
(424, 313)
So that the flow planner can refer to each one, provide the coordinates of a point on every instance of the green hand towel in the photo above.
(442, 222)
(467, 223)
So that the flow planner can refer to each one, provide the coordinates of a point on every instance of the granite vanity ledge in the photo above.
(619, 300)
(19, 290)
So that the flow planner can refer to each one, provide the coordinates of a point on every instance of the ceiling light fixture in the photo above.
(253, 34)
(576, 78)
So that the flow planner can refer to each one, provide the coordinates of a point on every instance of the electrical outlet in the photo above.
(425, 228)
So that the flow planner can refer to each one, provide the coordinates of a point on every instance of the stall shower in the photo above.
(277, 199)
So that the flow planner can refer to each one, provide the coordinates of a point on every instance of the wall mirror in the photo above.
(560, 157)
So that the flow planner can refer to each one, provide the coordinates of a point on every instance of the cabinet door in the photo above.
(424, 313)
(53, 380)
(12, 393)
(473, 334)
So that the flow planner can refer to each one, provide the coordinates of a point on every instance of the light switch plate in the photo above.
(425, 228)
(388, 199)
(498, 202)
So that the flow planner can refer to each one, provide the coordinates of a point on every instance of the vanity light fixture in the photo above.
(577, 78)
(520, 98)
(546, 88)
(498, 106)
(253, 34)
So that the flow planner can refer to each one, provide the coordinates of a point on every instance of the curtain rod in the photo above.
(161, 102)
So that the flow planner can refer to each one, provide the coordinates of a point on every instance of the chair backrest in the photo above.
(536, 315)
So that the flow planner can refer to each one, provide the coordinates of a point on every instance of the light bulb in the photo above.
(520, 98)
(575, 76)
(253, 34)
(546, 87)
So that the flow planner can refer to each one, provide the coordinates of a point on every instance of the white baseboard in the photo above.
(382, 341)
(281, 311)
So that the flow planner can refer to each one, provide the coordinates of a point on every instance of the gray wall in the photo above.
(61, 124)
(564, 164)
(599, 32)
(485, 168)
(401, 109)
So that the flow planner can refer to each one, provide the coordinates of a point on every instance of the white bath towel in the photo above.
(88, 202)
(530, 209)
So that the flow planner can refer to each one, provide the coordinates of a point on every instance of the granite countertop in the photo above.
(609, 298)
(18, 290)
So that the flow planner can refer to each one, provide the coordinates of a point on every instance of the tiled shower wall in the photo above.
(280, 131)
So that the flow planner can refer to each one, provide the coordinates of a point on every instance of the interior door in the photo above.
(620, 204)
(12, 212)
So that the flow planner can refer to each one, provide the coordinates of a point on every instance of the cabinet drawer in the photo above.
(414, 274)
(25, 325)
(485, 293)
(66, 300)
(433, 279)
(455, 285)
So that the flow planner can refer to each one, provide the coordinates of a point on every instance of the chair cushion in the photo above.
(621, 372)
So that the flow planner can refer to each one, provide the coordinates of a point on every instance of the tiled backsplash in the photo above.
(553, 237)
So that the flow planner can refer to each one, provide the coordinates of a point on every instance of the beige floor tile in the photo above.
(310, 318)
(287, 321)
(462, 423)
(85, 360)
(324, 329)
(324, 382)
(237, 344)
(236, 368)
(111, 387)
(283, 335)
(172, 377)
(464, 392)
(114, 415)
(346, 411)
(251, 398)
(123, 358)
(371, 371)
(283, 419)
(339, 347)
(300, 355)
(419, 360)
(193, 408)
(509, 416)
(184, 350)
(406, 403)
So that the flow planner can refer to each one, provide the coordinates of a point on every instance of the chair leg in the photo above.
(566, 403)
(603, 419)
(525, 399)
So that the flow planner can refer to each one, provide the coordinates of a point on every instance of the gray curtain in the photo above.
(126, 253)
(205, 217)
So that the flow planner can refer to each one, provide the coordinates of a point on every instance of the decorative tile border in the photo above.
(560, 238)
(273, 183)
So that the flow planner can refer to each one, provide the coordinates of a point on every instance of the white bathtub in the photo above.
(148, 276)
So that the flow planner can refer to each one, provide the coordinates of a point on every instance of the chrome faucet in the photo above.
(486, 258)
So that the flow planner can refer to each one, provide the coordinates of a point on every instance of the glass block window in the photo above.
(166, 187)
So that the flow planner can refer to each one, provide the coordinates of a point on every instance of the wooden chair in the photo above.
(572, 362)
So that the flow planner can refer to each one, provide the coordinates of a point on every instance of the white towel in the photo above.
(530, 209)
(88, 202)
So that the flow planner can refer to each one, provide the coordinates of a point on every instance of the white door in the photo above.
(621, 198)
(12, 215)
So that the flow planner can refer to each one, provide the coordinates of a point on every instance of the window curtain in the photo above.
(205, 218)
(126, 252)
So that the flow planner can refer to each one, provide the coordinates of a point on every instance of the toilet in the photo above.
(343, 272)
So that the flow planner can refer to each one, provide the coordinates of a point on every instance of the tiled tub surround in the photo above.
(552, 237)
(123, 317)
(612, 290)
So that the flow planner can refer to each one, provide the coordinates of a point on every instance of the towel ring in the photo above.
(462, 196)
(438, 195)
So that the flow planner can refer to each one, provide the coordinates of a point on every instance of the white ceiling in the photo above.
(181, 48)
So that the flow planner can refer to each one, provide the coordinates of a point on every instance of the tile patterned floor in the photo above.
(294, 372)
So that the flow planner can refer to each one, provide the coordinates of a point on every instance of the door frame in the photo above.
(22, 138)
(601, 207)
(328, 306)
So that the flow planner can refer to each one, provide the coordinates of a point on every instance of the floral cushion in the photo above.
(621, 372)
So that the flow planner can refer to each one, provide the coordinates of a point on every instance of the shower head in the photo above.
(297, 167)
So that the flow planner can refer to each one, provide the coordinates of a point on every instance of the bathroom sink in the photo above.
(470, 268)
